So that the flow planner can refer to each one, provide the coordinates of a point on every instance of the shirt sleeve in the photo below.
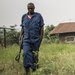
(41, 21)
(22, 20)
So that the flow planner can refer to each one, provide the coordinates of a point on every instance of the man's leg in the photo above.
(35, 51)
(35, 54)
(27, 58)
(37, 44)
(30, 57)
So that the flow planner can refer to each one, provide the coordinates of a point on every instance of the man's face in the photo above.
(31, 9)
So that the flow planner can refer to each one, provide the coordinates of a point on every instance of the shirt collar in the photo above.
(32, 15)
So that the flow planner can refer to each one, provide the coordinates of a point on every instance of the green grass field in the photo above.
(54, 59)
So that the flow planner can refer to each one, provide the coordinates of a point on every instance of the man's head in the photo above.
(30, 8)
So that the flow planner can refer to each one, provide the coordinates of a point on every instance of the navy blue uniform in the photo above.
(31, 41)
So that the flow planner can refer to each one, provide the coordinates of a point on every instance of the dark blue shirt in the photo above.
(32, 26)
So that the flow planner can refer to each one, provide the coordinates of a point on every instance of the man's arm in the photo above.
(17, 58)
(41, 27)
(21, 36)
(22, 30)
(41, 33)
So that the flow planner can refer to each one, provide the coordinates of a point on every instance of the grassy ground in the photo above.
(54, 59)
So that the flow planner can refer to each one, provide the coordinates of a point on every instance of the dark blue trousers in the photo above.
(30, 53)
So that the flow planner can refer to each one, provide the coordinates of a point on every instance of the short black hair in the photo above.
(32, 4)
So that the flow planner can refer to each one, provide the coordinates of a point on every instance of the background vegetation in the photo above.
(12, 35)
(54, 58)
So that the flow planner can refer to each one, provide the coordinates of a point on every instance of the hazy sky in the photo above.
(53, 11)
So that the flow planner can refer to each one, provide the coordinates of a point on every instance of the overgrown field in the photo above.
(54, 59)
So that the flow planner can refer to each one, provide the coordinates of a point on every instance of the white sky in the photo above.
(53, 11)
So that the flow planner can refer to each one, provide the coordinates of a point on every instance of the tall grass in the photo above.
(8, 63)
(54, 59)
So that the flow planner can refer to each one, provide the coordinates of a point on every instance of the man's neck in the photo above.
(30, 13)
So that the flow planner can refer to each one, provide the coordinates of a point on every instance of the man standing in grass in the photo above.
(32, 31)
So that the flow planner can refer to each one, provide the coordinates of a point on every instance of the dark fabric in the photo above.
(31, 40)
(30, 54)
(32, 26)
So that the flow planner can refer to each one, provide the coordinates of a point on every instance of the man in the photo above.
(32, 31)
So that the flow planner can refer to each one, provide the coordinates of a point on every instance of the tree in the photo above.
(12, 35)
(1, 37)
(48, 29)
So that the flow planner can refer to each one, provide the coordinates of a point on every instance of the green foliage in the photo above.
(54, 39)
(1, 34)
(47, 31)
(8, 65)
(12, 36)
